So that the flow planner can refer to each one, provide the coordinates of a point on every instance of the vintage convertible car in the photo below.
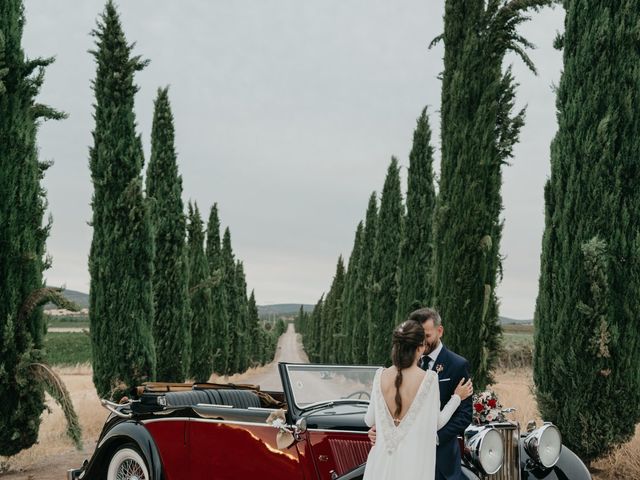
(313, 429)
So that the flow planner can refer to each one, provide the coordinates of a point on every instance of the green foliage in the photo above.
(55, 387)
(414, 269)
(120, 260)
(255, 332)
(233, 309)
(384, 284)
(478, 134)
(345, 340)
(243, 343)
(587, 329)
(22, 236)
(331, 320)
(170, 295)
(68, 348)
(201, 321)
(220, 344)
(358, 307)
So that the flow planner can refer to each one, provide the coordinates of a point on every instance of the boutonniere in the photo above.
(439, 368)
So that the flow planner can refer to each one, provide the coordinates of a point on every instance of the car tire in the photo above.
(127, 463)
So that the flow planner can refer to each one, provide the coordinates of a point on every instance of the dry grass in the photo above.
(53, 440)
(514, 388)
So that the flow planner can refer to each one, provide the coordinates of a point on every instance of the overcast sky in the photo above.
(287, 114)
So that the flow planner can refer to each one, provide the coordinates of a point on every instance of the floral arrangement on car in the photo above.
(284, 437)
(487, 408)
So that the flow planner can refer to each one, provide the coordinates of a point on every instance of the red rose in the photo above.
(493, 403)
(479, 407)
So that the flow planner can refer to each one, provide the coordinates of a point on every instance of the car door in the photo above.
(228, 443)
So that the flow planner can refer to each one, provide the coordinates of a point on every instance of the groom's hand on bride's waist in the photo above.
(372, 435)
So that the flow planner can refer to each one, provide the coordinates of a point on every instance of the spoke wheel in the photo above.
(127, 464)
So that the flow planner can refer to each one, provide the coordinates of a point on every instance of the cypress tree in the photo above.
(313, 345)
(359, 304)
(121, 256)
(243, 344)
(331, 315)
(230, 289)
(344, 345)
(170, 275)
(24, 376)
(478, 134)
(384, 287)
(587, 347)
(255, 357)
(218, 296)
(414, 272)
(201, 325)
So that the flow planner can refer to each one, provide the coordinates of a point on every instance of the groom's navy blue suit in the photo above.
(452, 368)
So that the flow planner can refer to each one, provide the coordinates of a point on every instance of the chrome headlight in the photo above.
(486, 450)
(544, 445)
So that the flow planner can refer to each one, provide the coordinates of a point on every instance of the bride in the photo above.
(405, 408)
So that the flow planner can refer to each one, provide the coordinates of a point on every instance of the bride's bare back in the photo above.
(411, 379)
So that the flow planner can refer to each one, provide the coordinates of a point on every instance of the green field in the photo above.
(75, 321)
(67, 348)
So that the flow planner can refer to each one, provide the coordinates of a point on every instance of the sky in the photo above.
(287, 114)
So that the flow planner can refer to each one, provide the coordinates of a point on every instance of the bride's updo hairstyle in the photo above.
(407, 337)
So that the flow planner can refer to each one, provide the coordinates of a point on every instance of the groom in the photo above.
(451, 368)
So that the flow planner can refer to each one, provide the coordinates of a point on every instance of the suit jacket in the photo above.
(451, 368)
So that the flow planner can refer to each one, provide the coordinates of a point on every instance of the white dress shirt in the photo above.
(433, 356)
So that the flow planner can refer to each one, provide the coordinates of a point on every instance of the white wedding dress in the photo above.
(407, 451)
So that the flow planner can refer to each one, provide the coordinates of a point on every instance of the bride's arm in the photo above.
(370, 417)
(463, 390)
(449, 409)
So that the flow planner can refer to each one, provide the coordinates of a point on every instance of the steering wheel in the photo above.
(360, 394)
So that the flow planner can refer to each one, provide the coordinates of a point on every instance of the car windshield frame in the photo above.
(291, 369)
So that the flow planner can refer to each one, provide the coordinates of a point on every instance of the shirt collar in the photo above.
(434, 355)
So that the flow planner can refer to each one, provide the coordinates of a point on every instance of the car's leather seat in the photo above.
(234, 398)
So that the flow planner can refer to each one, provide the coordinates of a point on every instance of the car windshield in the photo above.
(315, 384)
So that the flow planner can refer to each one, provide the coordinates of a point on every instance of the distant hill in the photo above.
(515, 321)
(82, 299)
(283, 309)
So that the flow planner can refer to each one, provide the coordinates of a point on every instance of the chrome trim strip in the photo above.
(230, 422)
(335, 431)
(217, 405)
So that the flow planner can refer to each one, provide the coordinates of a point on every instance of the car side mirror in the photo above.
(300, 428)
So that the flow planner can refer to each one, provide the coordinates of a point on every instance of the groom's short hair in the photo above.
(424, 314)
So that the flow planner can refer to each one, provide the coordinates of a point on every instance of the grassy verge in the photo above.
(67, 348)
(70, 321)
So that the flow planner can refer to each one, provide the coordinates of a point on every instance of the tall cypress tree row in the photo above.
(230, 290)
(478, 134)
(331, 321)
(359, 305)
(587, 339)
(415, 265)
(218, 296)
(344, 345)
(243, 343)
(170, 276)
(201, 322)
(22, 236)
(255, 331)
(121, 256)
(312, 340)
(384, 287)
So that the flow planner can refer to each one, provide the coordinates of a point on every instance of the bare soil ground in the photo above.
(54, 454)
